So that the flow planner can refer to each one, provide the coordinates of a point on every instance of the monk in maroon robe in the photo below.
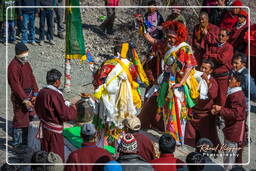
(53, 110)
(238, 32)
(23, 93)
(145, 146)
(89, 152)
(234, 114)
(203, 124)
(221, 53)
(204, 33)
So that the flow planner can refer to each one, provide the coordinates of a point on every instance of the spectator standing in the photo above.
(52, 111)
(24, 90)
(204, 34)
(238, 33)
(108, 24)
(203, 124)
(195, 158)
(234, 114)
(176, 15)
(59, 18)
(46, 15)
(217, 14)
(27, 18)
(9, 26)
(221, 53)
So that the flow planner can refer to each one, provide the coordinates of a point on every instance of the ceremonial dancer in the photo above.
(178, 87)
(117, 90)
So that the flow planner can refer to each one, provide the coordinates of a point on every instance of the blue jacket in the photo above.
(245, 84)
(27, 3)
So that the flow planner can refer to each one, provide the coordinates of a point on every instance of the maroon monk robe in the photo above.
(222, 56)
(229, 20)
(21, 77)
(236, 38)
(203, 40)
(166, 158)
(50, 106)
(145, 147)
(234, 114)
(89, 153)
(203, 124)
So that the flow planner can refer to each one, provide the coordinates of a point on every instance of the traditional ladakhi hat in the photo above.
(128, 144)
(237, 3)
(133, 123)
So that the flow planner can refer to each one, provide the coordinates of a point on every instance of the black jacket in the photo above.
(21, 11)
(134, 158)
(48, 2)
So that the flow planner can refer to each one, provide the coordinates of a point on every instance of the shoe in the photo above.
(41, 43)
(33, 43)
(51, 42)
(61, 35)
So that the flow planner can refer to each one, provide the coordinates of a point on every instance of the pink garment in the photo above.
(112, 3)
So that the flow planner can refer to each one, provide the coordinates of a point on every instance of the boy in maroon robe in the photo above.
(23, 93)
(234, 114)
(145, 145)
(203, 124)
(221, 53)
(89, 153)
(238, 32)
(204, 33)
(52, 111)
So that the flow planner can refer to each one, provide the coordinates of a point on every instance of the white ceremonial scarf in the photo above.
(67, 103)
(202, 85)
(234, 90)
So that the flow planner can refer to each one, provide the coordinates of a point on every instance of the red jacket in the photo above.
(209, 38)
(21, 79)
(237, 38)
(145, 147)
(112, 3)
(166, 158)
(222, 56)
(89, 153)
(234, 116)
(229, 20)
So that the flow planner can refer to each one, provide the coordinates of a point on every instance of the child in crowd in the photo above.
(234, 115)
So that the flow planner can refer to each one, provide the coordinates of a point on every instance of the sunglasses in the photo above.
(222, 35)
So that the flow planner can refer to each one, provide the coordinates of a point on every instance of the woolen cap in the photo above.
(20, 48)
(88, 129)
(243, 13)
(128, 144)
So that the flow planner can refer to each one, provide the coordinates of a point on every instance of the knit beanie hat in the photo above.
(128, 144)
(115, 167)
(243, 13)
(54, 158)
(20, 48)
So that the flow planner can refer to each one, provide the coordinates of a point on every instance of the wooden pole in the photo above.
(67, 80)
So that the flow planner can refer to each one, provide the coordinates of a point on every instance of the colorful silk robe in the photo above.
(175, 104)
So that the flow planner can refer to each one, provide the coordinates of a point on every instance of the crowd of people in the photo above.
(21, 21)
(194, 85)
